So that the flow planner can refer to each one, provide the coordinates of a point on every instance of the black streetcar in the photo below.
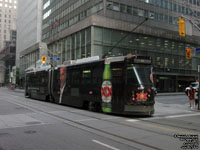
(122, 85)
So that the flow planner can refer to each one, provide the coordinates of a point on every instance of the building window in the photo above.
(116, 6)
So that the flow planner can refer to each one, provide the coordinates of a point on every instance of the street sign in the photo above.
(197, 49)
(54, 58)
(58, 58)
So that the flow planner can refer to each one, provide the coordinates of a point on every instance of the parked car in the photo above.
(195, 85)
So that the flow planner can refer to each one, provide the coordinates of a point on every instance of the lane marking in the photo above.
(106, 145)
(164, 117)
(110, 118)
(185, 115)
(132, 120)
(162, 128)
(81, 120)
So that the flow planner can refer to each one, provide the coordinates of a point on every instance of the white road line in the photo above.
(81, 120)
(185, 115)
(132, 120)
(111, 147)
(110, 118)
(164, 117)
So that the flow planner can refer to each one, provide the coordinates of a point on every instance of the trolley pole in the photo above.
(199, 88)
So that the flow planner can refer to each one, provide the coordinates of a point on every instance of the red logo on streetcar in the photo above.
(141, 96)
(106, 91)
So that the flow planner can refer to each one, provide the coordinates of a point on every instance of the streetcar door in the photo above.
(56, 85)
(117, 72)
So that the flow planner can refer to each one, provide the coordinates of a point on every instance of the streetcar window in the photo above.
(75, 77)
(97, 76)
(56, 80)
(117, 73)
(138, 74)
(131, 77)
(144, 74)
(86, 76)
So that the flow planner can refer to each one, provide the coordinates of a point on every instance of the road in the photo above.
(27, 124)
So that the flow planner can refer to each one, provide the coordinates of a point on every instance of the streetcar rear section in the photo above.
(37, 85)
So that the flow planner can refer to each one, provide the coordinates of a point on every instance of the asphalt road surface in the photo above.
(27, 124)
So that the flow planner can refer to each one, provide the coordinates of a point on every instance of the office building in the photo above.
(29, 44)
(8, 13)
(75, 29)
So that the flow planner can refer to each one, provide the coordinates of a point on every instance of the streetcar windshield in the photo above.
(139, 75)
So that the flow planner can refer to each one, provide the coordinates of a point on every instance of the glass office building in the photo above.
(75, 29)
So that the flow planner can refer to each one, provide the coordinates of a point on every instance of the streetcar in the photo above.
(121, 85)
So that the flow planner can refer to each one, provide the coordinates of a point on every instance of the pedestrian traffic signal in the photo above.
(44, 59)
(181, 23)
(188, 53)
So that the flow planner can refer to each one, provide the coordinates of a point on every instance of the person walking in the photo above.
(196, 98)
(191, 97)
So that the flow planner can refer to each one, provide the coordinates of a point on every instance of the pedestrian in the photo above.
(191, 97)
(196, 98)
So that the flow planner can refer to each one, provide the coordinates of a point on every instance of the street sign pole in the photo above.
(199, 87)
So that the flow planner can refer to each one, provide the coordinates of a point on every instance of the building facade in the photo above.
(75, 29)
(29, 22)
(7, 59)
(8, 14)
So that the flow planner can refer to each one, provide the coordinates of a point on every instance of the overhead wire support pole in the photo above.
(129, 33)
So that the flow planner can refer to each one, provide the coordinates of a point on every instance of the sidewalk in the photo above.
(171, 94)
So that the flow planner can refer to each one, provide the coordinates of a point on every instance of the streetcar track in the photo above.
(106, 132)
(105, 119)
(87, 126)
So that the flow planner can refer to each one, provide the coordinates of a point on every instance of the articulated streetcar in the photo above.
(121, 85)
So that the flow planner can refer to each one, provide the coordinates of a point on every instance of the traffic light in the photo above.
(44, 59)
(188, 53)
(181, 23)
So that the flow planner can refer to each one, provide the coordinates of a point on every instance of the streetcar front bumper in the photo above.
(141, 109)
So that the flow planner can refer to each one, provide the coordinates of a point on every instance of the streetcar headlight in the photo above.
(141, 88)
